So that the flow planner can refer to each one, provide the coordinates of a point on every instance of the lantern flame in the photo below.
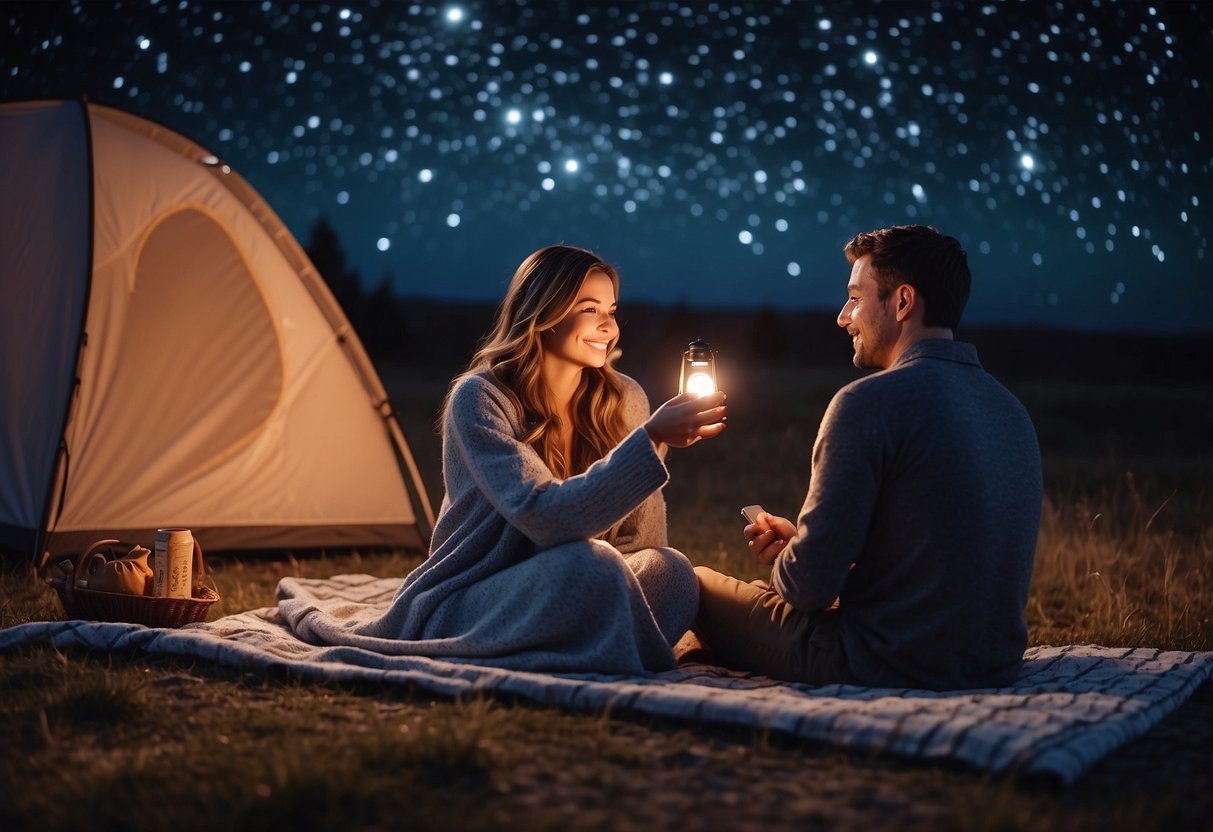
(701, 384)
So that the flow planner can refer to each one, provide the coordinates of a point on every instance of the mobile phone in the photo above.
(750, 513)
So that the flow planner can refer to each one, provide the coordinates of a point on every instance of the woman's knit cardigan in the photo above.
(518, 574)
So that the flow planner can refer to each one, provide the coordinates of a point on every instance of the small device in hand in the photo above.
(750, 513)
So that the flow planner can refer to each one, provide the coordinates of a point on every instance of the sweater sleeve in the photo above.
(644, 528)
(513, 478)
(811, 570)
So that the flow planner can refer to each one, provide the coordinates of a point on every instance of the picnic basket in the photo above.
(152, 611)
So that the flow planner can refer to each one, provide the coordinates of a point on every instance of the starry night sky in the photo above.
(720, 153)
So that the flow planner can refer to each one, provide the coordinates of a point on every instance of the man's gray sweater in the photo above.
(921, 518)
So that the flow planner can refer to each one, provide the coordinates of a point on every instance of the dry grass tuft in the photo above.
(1109, 570)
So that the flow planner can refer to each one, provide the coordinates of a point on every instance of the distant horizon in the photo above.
(991, 302)
(827, 312)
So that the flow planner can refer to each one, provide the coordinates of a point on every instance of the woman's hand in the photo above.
(687, 418)
(767, 536)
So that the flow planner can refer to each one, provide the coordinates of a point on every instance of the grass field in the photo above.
(1125, 558)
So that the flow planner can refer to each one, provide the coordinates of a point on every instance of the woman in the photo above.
(549, 549)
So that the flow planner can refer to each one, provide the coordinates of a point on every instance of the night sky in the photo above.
(720, 153)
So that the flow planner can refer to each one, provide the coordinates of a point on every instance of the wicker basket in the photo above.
(152, 611)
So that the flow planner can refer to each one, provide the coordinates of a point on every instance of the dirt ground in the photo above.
(1163, 780)
(258, 751)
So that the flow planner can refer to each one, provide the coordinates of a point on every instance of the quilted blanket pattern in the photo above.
(1070, 706)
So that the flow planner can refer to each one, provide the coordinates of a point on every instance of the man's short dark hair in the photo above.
(933, 263)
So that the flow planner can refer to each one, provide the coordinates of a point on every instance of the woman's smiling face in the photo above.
(585, 335)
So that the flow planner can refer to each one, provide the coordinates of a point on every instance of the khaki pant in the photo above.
(748, 626)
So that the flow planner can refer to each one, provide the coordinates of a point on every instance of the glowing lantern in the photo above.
(698, 374)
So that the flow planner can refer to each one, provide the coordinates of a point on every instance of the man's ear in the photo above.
(905, 300)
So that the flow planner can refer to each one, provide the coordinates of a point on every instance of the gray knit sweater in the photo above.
(927, 478)
(529, 571)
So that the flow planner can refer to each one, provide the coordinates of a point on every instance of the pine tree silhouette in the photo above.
(382, 327)
(327, 255)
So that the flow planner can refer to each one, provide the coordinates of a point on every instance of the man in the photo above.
(910, 563)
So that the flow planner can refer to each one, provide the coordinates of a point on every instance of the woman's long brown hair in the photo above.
(541, 294)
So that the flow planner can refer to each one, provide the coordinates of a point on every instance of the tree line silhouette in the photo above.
(394, 328)
(443, 334)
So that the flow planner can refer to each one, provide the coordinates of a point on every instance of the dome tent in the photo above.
(170, 357)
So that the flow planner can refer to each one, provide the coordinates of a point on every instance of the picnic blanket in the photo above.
(1070, 706)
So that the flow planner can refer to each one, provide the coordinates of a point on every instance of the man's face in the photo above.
(869, 321)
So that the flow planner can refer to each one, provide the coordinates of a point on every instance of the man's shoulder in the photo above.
(926, 363)
(862, 406)
(925, 376)
(940, 381)
(873, 385)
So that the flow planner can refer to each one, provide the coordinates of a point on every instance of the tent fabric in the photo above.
(221, 387)
(44, 268)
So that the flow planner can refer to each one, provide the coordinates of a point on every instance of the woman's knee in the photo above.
(592, 560)
(660, 558)
(668, 582)
(664, 566)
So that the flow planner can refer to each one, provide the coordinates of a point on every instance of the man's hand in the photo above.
(767, 536)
